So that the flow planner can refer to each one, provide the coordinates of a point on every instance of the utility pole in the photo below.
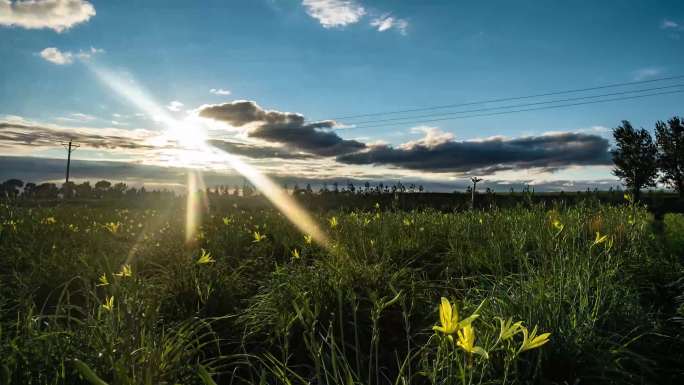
(472, 196)
(70, 148)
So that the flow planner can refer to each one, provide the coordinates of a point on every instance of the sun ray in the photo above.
(191, 137)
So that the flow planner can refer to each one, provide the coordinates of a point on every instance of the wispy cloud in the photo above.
(387, 22)
(77, 117)
(219, 91)
(58, 15)
(334, 13)
(669, 24)
(174, 105)
(647, 73)
(56, 56)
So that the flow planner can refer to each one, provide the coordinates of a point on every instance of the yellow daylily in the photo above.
(600, 238)
(558, 225)
(448, 317)
(466, 340)
(126, 271)
(295, 253)
(532, 340)
(204, 258)
(507, 329)
(258, 237)
(333, 222)
(112, 227)
(108, 303)
(48, 221)
(227, 221)
(308, 239)
(103, 280)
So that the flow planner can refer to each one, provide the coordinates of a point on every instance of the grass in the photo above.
(101, 295)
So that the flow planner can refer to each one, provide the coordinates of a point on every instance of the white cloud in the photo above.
(646, 73)
(219, 91)
(58, 15)
(669, 24)
(54, 55)
(433, 136)
(386, 22)
(174, 105)
(334, 13)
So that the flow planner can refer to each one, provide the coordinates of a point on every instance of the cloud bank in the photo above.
(285, 128)
(439, 152)
(58, 15)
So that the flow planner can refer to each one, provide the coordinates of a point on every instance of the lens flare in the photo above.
(191, 137)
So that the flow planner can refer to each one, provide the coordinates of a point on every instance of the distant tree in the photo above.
(635, 157)
(68, 190)
(84, 190)
(118, 190)
(102, 188)
(670, 142)
(46, 191)
(10, 187)
(29, 190)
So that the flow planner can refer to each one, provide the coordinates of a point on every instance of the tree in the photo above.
(670, 142)
(10, 188)
(635, 157)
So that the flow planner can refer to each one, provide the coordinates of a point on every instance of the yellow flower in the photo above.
(466, 340)
(532, 340)
(407, 222)
(48, 221)
(448, 317)
(112, 227)
(109, 303)
(258, 237)
(227, 221)
(308, 239)
(599, 238)
(204, 258)
(507, 329)
(629, 197)
(103, 280)
(295, 253)
(333, 222)
(125, 271)
(558, 225)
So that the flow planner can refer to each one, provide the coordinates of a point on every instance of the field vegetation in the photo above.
(583, 294)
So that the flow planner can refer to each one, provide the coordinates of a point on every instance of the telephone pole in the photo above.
(70, 148)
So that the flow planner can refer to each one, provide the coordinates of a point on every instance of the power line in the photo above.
(553, 93)
(530, 109)
(516, 105)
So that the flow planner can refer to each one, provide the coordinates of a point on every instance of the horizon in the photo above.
(377, 91)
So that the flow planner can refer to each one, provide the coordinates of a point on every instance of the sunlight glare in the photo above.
(190, 135)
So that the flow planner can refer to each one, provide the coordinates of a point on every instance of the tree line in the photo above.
(640, 161)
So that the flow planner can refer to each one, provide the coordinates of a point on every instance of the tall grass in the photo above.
(254, 311)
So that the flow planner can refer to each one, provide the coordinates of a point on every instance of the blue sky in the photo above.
(329, 58)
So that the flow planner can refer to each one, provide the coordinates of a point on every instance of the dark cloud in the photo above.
(257, 152)
(285, 128)
(13, 134)
(549, 152)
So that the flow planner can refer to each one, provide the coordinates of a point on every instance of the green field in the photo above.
(109, 295)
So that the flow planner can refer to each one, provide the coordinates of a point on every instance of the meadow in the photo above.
(93, 294)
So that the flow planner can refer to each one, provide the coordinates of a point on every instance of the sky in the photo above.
(300, 88)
